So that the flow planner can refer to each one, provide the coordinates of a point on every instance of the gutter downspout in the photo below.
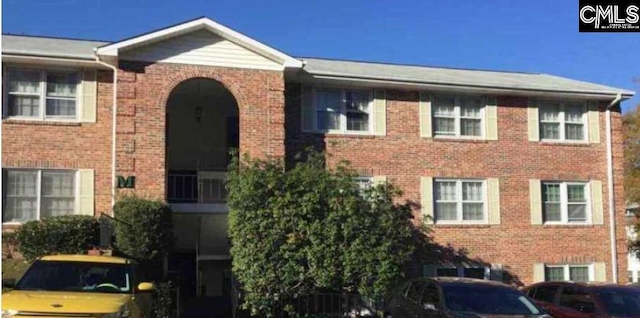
(612, 213)
(113, 130)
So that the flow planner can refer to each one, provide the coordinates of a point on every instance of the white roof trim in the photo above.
(202, 23)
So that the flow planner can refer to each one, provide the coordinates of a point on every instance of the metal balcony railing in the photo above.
(196, 187)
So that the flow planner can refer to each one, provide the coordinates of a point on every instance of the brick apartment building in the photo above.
(521, 171)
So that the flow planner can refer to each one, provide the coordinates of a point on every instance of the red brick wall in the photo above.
(403, 156)
(143, 91)
(27, 144)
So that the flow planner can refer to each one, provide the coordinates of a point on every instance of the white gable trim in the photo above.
(202, 23)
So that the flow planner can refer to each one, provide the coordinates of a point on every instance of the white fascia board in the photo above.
(445, 87)
(42, 60)
(202, 23)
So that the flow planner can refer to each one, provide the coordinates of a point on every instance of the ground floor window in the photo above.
(567, 272)
(32, 194)
(634, 276)
(469, 272)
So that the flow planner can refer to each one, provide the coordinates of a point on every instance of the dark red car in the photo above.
(586, 300)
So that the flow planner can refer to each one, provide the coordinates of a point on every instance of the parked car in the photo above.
(79, 286)
(459, 297)
(577, 300)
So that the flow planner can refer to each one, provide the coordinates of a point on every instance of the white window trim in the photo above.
(76, 191)
(42, 116)
(458, 117)
(459, 202)
(342, 112)
(566, 267)
(460, 270)
(563, 122)
(564, 204)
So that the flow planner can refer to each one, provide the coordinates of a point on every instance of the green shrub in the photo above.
(162, 300)
(311, 229)
(69, 234)
(143, 231)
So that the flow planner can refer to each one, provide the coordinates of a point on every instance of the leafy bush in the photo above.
(69, 234)
(162, 300)
(309, 229)
(143, 231)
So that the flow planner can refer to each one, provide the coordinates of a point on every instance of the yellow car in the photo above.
(79, 286)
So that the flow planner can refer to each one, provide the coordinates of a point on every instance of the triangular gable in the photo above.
(191, 27)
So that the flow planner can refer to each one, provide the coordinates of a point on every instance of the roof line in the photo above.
(416, 65)
(626, 94)
(54, 37)
(152, 31)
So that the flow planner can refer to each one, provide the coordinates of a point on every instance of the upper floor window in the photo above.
(458, 116)
(41, 94)
(35, 194)
(565, 202)
(342, 110)
(459, 201)
(562, 121)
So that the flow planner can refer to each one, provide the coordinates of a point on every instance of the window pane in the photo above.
(24, 81)
(472, 211)
(550, 112)
(357, 121)
(58, 193)
(472, 191)
(550, 131)
(21, 196)
(357, 100)
(328, 100)
(445, 126)
(554, 273)
(477, 272)
(551, 192)
(444, 106)
(470, 107)
(577, 300)
(446, 190)
(546, 293)
(577, 212)
(574, 113)
(62, 84)
(575, 193)
(574, 131)
(470, 127)
(24, 106)
(328, 120)
(446, 211)
(552, 212)
(579, 273)
(61, 107)
(447, 272)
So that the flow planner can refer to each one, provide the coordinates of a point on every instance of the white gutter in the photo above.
(113, 130)
(612, 213)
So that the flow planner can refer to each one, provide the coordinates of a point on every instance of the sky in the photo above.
(530, 36)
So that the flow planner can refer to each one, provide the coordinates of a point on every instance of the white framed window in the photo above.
(565, 202)
(563, 121)
(363, 182)
(460, 201)
(479, 272)
(42, 94)
(31, 194)
(458, 116)
(569, 272)
(343, 110)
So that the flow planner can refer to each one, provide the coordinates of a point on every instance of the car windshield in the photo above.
(77, 276)
(487, 299)
(620, 302)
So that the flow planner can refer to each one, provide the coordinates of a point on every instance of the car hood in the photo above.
(63, 302)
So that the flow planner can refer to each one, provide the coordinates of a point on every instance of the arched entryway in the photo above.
(202, 127)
